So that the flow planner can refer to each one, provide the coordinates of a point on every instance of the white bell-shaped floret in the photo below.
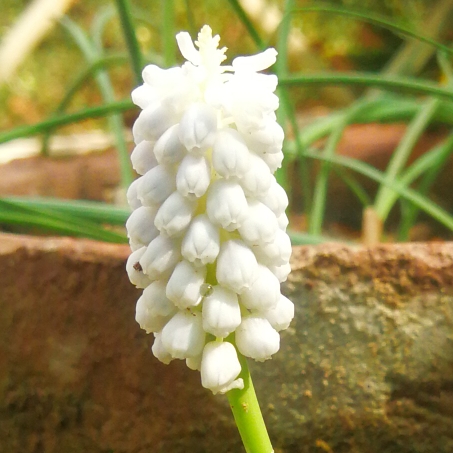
(168, 149)
(220, 367)
(197, 128)
(274, 253)
(135, 270)
(193, 176)
(153, 122)
(221, 312)
(175, 214)
(156, 185)
(259, 226)
(226, 204)
(201, 243)
(268, 139)
(184, 286)
(258, 177)
(140, 226)
(281, 272)
(143, 158)
(264, 293)
(154, 309)
(236, 266)
(160, 257)
(275, 198)
(183, 336)
(256, 338)
(144, 95)
(194, 363)
(230, 156)
(283, 221)
(281, 315)
(131, 195)
(159, 350)
(273, 161)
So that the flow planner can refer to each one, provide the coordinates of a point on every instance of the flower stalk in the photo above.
(247, 414)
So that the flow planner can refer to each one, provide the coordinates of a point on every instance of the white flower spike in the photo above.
(208, 227)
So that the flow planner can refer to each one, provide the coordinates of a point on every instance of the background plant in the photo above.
(411, 84)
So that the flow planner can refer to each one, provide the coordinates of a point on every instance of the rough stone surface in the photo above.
(366, 366)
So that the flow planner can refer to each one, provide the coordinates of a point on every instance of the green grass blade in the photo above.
(64, 120)
(375, 19)
(133, 47)
(394, 83)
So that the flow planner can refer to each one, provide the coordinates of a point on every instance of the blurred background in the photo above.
(366, 103)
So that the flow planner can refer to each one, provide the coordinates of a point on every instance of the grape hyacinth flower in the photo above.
(208, 230)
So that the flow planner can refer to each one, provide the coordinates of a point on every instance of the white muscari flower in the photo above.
(140, 226)
(174, 215)
(230, 156)
(155, 185)
(184, 285)
(220, 367)
(153, 308)
(221, 312)
(160, 257)
(264, 292)
(183, 336)
(201, 244)
(193, 176)
(256, 338)
(168, 149)
(207, 231)
(226, 204)
(143, 158)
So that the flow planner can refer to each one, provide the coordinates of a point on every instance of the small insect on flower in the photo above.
(208, 230)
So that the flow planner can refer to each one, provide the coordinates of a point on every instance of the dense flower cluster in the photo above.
(207, 232)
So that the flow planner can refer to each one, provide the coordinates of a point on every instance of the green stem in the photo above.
(247, 414)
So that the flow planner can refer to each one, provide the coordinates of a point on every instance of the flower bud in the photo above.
(201, 243)
(256, 338)
(160, 257)
(281, 315)
(144, 95)
(154, 309)
(131, 195)
(175, 214)
(264, 292)
(135, 271)
(159, 350)
(258, 177)
(274, 253)
(155, 186)
(236, 266)
(152, 122)
(193, 176)
(275, 198)
(230, 156)
(168, 149)
(281, 272)
(143, 158)
(140, 226)
(220, 367)
(226, 204)
(184, 286)
(259, 226)
(197, 128)
(221, 312)
(183, 336)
